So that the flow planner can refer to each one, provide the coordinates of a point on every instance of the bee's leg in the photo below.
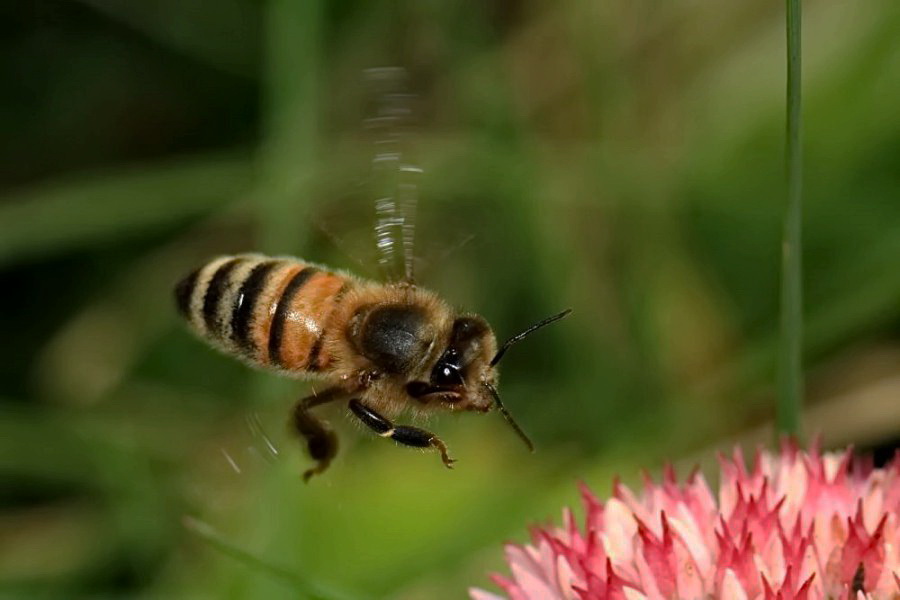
(403, 434)
(320, 440)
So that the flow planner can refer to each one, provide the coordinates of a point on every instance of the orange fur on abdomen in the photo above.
(273, 312)
(304, 322)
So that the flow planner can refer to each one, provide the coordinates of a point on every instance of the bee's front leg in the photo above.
(403, 434)
(320, 439)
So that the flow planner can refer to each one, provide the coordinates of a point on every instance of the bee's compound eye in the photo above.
(446, 374)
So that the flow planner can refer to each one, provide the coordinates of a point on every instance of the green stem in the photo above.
(290, 101)
(212, 537)
(790, 377)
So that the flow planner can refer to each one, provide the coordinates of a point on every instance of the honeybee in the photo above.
(380, 347)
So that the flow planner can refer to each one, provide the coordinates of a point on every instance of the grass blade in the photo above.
(790, 376)
(208, 534)
(79, 211)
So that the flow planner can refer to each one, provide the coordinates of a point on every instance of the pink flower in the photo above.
(797, 526)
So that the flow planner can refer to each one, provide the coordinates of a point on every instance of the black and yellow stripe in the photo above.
(271, 311)
(245, 304)
(276, 333)
(212, 296)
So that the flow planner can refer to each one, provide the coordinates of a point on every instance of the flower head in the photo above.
(796, 526)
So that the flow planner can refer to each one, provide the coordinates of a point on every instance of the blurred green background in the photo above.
(622, 158)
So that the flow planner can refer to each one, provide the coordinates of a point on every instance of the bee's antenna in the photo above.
(519, 337)
(508, 417)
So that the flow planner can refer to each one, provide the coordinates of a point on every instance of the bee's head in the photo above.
(403, 342)
(465, 373)
(445, 365)
(463, 365)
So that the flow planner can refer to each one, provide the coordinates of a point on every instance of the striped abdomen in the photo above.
(271, 311)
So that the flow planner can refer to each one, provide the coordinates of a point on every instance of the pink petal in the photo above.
(795, 525)
(693, 542)
(633, 594)
(646, 578)
(620, 532)
(658, 554)
(689, 578)
(731, 587)
(566, 580)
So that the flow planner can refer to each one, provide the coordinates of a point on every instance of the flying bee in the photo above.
(380, 347)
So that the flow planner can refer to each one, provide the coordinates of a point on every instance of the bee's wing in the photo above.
(395, 174)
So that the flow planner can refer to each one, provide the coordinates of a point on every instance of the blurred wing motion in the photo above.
(395, 175)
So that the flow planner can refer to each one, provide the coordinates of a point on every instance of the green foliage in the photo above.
(790, 375)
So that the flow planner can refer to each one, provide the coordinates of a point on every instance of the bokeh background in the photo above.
(622, 158)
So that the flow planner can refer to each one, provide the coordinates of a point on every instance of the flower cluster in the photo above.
(796, 526)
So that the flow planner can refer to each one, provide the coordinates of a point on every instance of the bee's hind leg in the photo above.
(321, 442)
(403, 434)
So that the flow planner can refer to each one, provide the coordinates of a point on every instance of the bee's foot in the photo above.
(442, 448)
(402, 434)
(319, 468)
